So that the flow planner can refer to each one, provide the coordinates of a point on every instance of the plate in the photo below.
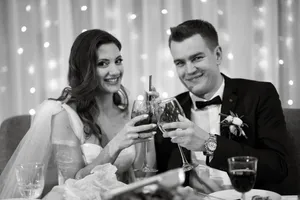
(234, 195)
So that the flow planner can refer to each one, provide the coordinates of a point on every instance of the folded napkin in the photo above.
(101, 179)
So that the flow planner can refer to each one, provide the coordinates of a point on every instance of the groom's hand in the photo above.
(187, 134)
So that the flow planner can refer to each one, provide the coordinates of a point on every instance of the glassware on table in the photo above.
(64, 162)
(242, 173)
(168, 110)
(141, 107)
(30, 179)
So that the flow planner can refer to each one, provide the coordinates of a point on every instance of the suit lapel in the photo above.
(228, 102)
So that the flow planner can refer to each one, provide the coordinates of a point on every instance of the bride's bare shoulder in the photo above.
(61, 127)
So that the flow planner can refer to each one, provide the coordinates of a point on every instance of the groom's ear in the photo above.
(218, 54)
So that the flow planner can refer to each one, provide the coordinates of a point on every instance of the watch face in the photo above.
(212, 146)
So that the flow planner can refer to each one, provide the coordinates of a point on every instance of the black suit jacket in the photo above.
(259, 104)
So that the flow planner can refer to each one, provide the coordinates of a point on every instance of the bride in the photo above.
(88, 125)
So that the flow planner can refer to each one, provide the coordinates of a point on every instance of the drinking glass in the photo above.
(141, 107)
(242, 173)
(30, 179)
(168, 110)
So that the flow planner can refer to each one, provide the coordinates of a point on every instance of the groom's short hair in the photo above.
(196, 26)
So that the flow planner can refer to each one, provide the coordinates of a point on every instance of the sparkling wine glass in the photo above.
(30, 179)
(168, 110)
(141, 107)
(242, 173)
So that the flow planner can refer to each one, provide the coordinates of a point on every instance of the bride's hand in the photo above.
(153, 93)
(130, 134)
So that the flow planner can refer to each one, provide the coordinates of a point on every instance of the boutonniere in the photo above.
(234, 123)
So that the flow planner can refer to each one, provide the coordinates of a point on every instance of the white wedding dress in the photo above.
(91, 151)
(36, 146)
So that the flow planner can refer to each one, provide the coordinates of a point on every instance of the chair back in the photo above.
(12, 131)
(291, 184)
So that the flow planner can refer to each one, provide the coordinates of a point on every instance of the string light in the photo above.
(131, 16)
(230, 56)
(144, 56)
(20, 50)
(290, 18)
(291, 82)
(31, 69)
(281, 62)
(140, 97)
(83, 8)
(28, 8)
(203, 1)
(288, 42)
(290, 102)
(263, 64)
(32, 90)
(32, 112)
(53, 84)
(143, 79)
(261, 9)
(263, 51)
(164, 11)
(220, 12)
(46, 44)
(165, 95)
(171, 73)
(168, 32)
(47, 23)
(23, 29)
(52, 64)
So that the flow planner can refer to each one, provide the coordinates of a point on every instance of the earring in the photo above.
(120, 99)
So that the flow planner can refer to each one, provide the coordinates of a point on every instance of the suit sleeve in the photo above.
(270, 147)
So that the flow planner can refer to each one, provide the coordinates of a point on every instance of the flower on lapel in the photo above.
(234, 123)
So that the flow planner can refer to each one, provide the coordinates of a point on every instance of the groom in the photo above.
(207, 138)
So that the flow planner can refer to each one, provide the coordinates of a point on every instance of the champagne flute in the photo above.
(141, 107)
(168, 110)
(242, 173)
(30, 179)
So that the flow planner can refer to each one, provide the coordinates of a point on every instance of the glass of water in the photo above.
(30, 179)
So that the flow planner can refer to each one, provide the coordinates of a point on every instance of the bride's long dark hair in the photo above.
(83, 81)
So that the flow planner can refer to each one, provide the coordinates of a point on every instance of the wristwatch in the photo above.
(210, 145)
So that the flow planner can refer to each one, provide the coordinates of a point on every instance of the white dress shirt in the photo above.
(208, 119)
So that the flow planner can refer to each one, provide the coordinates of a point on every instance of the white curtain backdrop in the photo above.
(260, 40)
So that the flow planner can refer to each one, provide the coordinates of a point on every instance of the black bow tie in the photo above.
(215, 101)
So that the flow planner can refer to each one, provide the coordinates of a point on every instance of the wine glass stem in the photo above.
(145, 154)
(243, 196)
(182, 155)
